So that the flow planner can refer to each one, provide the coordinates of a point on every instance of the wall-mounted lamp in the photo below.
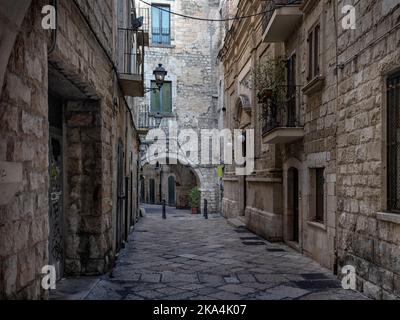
(159, 74)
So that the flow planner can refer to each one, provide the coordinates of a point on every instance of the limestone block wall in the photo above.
(24, 153)
(366, 239)
(77, 70)
(189, 60)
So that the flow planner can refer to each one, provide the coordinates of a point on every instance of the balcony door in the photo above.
(160, 25)
(161, 100)
(291, 91)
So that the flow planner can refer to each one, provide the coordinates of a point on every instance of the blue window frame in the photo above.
(161, 24)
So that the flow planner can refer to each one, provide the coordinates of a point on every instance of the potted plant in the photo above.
(268, 79)
(194, 200)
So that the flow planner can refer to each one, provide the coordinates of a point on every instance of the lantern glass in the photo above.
(160, 73)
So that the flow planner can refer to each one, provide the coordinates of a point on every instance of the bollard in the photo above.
(164, 213)
(205, 209)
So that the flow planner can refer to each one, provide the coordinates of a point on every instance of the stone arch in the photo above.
(242, 112)
(204, 176)
(9, 29)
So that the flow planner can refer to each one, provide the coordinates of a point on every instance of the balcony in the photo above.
(144, 38)
(147, 120)
(131, 62)
(280, 122)
(280, 23)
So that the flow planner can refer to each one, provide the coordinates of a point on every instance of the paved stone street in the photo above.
(188, 257)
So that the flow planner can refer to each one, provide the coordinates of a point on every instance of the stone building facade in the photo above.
(184, 48)
(325, 177)
(69, 149)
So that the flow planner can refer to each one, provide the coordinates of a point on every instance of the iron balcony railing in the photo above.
(131, 60)
(143, 13)
(270, 6)
(161, 35)
(282, 115)
(147, 120)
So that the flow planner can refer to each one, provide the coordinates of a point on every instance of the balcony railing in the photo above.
(147, 120)
(131, 61)
(282, 119)
(143, 37)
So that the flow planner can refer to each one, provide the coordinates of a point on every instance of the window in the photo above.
(161, 100)
(320, 195)
(314, 53)
(160, 20)
(317, 199)
(393, 143)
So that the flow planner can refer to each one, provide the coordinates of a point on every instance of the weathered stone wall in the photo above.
(366, 239)
(24, 150)
(77, 70)
(256, 198)
(189, 62)
(317, 114)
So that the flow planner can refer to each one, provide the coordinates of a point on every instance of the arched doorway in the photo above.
(293, 204)
(171, 191)
(243, 121)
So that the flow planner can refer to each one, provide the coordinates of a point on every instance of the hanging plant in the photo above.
(269, 80)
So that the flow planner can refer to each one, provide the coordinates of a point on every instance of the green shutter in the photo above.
(167, 97)
(155, 98)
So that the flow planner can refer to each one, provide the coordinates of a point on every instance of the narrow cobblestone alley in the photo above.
(188, 257)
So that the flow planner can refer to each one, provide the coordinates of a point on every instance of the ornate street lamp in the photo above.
(159, 74)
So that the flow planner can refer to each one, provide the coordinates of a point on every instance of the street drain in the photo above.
(275, 250)
(317, 284)
(253, 243)
(140, 231)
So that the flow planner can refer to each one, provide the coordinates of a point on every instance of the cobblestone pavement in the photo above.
(188, 257)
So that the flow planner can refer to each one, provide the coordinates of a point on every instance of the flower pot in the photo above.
(195, 211)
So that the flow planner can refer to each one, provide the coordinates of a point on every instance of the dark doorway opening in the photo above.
(120, 230)
(152, 191)
(293, 204)
(171, 191)
(56, 190)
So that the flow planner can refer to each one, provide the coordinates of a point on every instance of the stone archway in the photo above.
(206, 179)
(15, 11)
(243, 121)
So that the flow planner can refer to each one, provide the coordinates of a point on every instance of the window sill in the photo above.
(167, 46)
(389, 217)
(317, 225)
(314, 85)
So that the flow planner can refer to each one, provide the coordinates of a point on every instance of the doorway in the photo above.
(152, 191)
(120, 230)
(171, 191)
(293, 204)
(56, 190)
